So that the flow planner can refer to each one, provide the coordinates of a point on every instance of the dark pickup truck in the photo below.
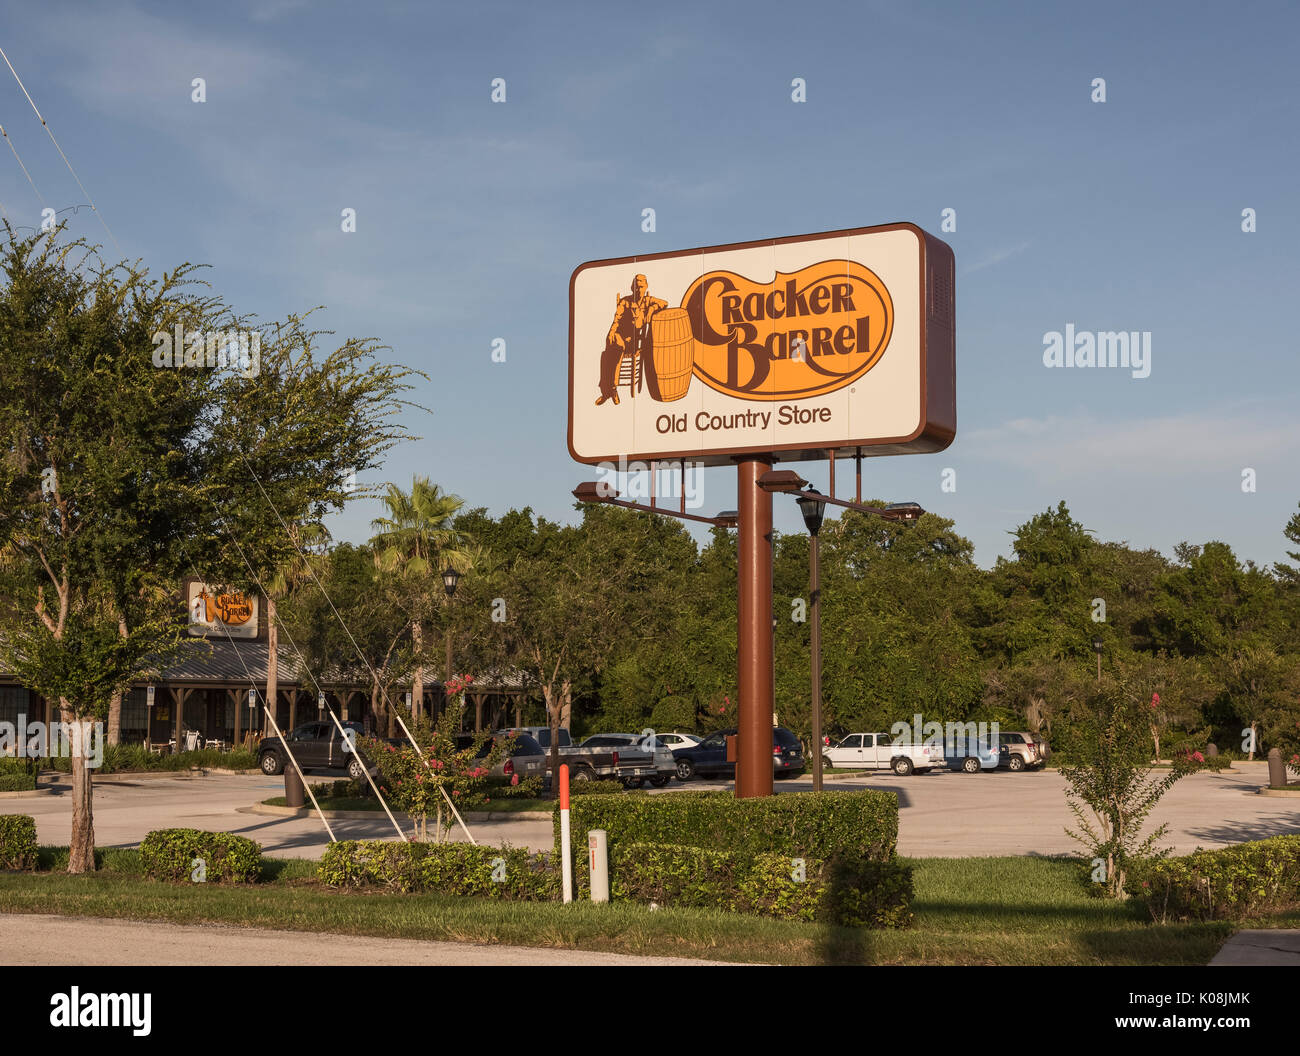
(316, 745)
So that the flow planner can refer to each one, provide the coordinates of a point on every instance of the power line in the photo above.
(20, 163)
(50, 132)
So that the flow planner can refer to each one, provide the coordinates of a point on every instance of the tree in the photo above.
(582, 592)
(1112, 790)
(310, 543)
(1291, 573)
(416, 541)
(121, 476)
(1211, 603)
(1260, 688)
(355, 629)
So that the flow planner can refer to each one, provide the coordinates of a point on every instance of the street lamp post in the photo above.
(813, 508)
(812, 504)
(450, 577)
(1096, 648)
(148, 732)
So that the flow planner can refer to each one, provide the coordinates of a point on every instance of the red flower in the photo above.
(514, 779)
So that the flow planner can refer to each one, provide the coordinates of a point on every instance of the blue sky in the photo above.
(471, 215)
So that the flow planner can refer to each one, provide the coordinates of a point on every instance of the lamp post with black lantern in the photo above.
(812, 504)
(450, 577)
(813, 507)
(1096, 648)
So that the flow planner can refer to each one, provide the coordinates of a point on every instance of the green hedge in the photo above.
(851, 892)
(1229, 884)
(596, 788)
(17, 782)
(17, 841)
(122, 758)
(449, 868)
(169, 854)
(821, 825)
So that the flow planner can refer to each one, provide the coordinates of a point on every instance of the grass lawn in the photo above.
(968, 911)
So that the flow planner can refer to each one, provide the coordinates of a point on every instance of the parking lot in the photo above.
(942, 813)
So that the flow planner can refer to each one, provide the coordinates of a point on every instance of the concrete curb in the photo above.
(127, 776)
(364, 815)
(1283, 793)
(25, 792)
(835, 775)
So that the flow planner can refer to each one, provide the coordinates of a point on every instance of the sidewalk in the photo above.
(1274, 947)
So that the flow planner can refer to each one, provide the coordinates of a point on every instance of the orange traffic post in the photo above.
(566, 852)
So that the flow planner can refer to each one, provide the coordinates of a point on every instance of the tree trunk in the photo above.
(82, 856)
(272, 664)
(115, 705)
(553, 720)
(115, 718)
(417, 684)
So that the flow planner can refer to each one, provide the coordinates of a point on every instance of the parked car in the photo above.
(526, 758)
(972, 754)
(709, 757)
(316, 745)
(664, 763)
(679, 740)
(1021, 751)
(589, 762)
(877, 751)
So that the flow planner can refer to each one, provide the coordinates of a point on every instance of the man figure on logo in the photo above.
(628, 333)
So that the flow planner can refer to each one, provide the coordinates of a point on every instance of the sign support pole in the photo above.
(754, 629)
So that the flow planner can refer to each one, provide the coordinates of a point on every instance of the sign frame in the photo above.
(937, 417)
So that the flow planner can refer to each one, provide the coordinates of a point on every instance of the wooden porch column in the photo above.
(179, 695)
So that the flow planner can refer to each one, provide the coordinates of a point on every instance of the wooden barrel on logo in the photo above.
(674, 352)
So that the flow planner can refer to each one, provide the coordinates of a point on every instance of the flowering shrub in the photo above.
(1112, 789)
(448, 767)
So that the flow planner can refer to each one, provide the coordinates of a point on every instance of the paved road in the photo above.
(38, 939)
(942, 814)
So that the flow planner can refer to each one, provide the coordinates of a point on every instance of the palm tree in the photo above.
(416, 540)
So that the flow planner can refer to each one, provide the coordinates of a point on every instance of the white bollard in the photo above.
(598, 862)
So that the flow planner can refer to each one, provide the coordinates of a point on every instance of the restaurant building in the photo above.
(215, 692)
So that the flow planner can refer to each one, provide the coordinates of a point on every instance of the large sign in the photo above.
(792, 347)
(220, 614)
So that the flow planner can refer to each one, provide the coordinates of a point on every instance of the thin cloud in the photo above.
(1082, 446)
(998, 256)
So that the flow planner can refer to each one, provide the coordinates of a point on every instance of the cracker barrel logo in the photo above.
(805, 333)
(232, 609)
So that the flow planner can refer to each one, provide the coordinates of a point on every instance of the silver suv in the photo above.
(1021, 751)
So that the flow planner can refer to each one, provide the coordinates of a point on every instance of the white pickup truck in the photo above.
(876, 751)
